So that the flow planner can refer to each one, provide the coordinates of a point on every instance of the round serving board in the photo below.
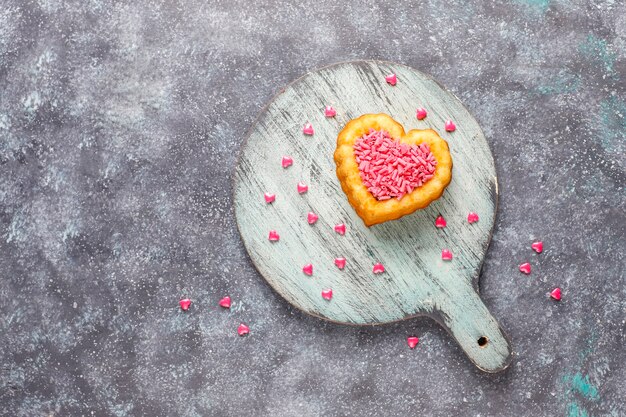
(416, 281)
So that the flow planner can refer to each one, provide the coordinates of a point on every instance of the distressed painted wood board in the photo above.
(416, 282)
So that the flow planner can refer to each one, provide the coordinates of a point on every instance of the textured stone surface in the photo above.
(119, 130)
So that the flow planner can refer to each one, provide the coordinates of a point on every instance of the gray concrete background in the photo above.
(120, 125)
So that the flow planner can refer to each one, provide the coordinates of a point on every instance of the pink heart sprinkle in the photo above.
(311, 217)
(243, 330)
(537, 246)
(340, 262)
(327, 294)
(269, 197)
(472, 217)
(225, 302)
(273, 237)
(302, 188)
(556, 294)
(446, 255)
(286, 161)
(391, 79)
(340, 228)
(378, 268)
(390, 169)
(308, 129)
(184, 304)
(308, 269)
(412, 341)
(450, 126)
(329, 111)
(440, 222)
(421, 113)
(525, 268)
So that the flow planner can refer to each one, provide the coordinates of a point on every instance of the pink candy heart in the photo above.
(446, 255)
(329, 111)
(378, 268)
(311, 217)
(556, 294)
(472, 217)
(302, 188)
(225, 302)
(340, 228)
(421, 114)
(286, 161)
(340, 262)
(243, 330)
(391, 79)
(273, 236)
(412, 341)
(440, 222)
(525, 268)
(269, 197)
(308, 269)
(537, 247)
(308, 129)
(327, 294)
(450, 126)
(184, 304)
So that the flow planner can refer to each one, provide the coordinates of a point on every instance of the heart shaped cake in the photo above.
(387, 173)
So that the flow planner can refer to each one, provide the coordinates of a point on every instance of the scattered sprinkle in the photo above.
(340, 262)
(537, 246)
(184, 304)
(311, 217)
(378, 268)
(450, 126)
(412, 341)
(421, 113)
(446, 255)
(440, 222)
(308, 129)
(269, 197)
(472, 217)
(308, 269)
(391, 79)
(340, 228)
(525, 268)
(329, 111)
(327, 294)
(287, 161)
(273, 236)
(556, 294)
(243, 330)
(225, 302)
(302, 188)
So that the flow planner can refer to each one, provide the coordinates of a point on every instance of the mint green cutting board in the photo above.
(416, 282)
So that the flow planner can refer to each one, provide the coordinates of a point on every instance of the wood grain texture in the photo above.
(416, 281)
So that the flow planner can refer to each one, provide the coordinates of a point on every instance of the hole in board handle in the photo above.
(483, 341)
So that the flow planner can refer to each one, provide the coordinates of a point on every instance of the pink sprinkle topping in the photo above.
(440, 222)
(327, 294)
(556, 294)
(446, 255)
(537, 246)
(421, 113)
(286, 161)
(184, 304)
(225, 302)
(340, 262)
(340, 228)
(378, 268)
(269, 197)
(472, 217)
(329, 111)
(450, 126)
(308, 129)
(308, 269)
(390, 169)
(273, 237)
(243, 330)
(302, 188)
(412, 341)
(525, 268)
(311, 217)
(391, 79)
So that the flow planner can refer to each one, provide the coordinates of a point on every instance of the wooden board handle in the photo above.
(475, 329)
